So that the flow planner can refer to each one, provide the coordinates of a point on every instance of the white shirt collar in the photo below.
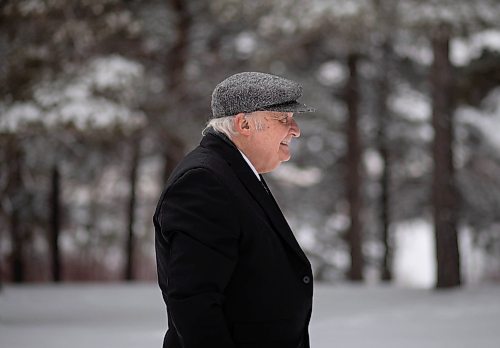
(250, 164)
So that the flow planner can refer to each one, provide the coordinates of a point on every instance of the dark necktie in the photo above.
(264, 185)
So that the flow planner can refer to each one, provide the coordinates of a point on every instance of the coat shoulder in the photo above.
(200, 158)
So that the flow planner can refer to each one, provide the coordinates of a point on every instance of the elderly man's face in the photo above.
(271, 139)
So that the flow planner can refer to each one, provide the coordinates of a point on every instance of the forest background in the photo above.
(99, 99)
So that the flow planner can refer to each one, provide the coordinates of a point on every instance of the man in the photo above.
(230, 269)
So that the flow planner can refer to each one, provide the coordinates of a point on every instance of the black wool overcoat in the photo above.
(230, 270)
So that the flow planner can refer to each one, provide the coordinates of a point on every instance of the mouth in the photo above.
(285, 142)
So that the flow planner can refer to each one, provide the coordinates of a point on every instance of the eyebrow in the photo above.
(285, 116)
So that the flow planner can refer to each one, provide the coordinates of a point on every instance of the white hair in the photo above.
(225, 125)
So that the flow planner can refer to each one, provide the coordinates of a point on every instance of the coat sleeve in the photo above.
(196, 248)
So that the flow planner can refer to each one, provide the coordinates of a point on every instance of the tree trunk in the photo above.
(174, 150)
(1, 257)
(383, 118)
(383, 58)
(18, 266)
(384, 203)
(353, 165)
(176, 62)
(55, 224)
(444, 195)
(130, 244)
(14, 193)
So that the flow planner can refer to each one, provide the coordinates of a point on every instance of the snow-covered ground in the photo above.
(351, 316)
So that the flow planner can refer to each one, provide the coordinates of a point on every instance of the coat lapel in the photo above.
(281, 221)
(256, 189)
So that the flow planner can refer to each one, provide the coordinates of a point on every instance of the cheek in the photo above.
(281, 136)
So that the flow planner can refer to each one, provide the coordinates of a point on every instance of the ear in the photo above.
(242, 124)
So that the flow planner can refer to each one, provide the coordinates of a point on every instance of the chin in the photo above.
(284, 156)
(271, 168)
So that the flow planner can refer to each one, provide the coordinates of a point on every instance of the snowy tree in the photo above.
(442, 21)
(44, 92)
(77, 74)
(74, 105)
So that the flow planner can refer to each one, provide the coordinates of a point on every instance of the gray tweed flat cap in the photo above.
(255, 91)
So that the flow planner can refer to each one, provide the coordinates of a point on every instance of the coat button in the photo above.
(306, 280)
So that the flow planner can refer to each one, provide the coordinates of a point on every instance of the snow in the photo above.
(415, 260)
(373, 162)
(428, 12)
(73, 101)
(357, 316)
(288, 173)
(246, 43)
(86, 316)
(414, 256)
(289, 17)
(332, 73)
(113, 72)
(410, 104)
(344, 316)
(418, 50)
(27, 7)
(18, 115)
(486, 119)
(463, 51)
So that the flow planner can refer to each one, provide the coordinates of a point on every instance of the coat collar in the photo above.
(225, 147)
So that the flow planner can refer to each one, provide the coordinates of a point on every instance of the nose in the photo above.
(295, 129)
